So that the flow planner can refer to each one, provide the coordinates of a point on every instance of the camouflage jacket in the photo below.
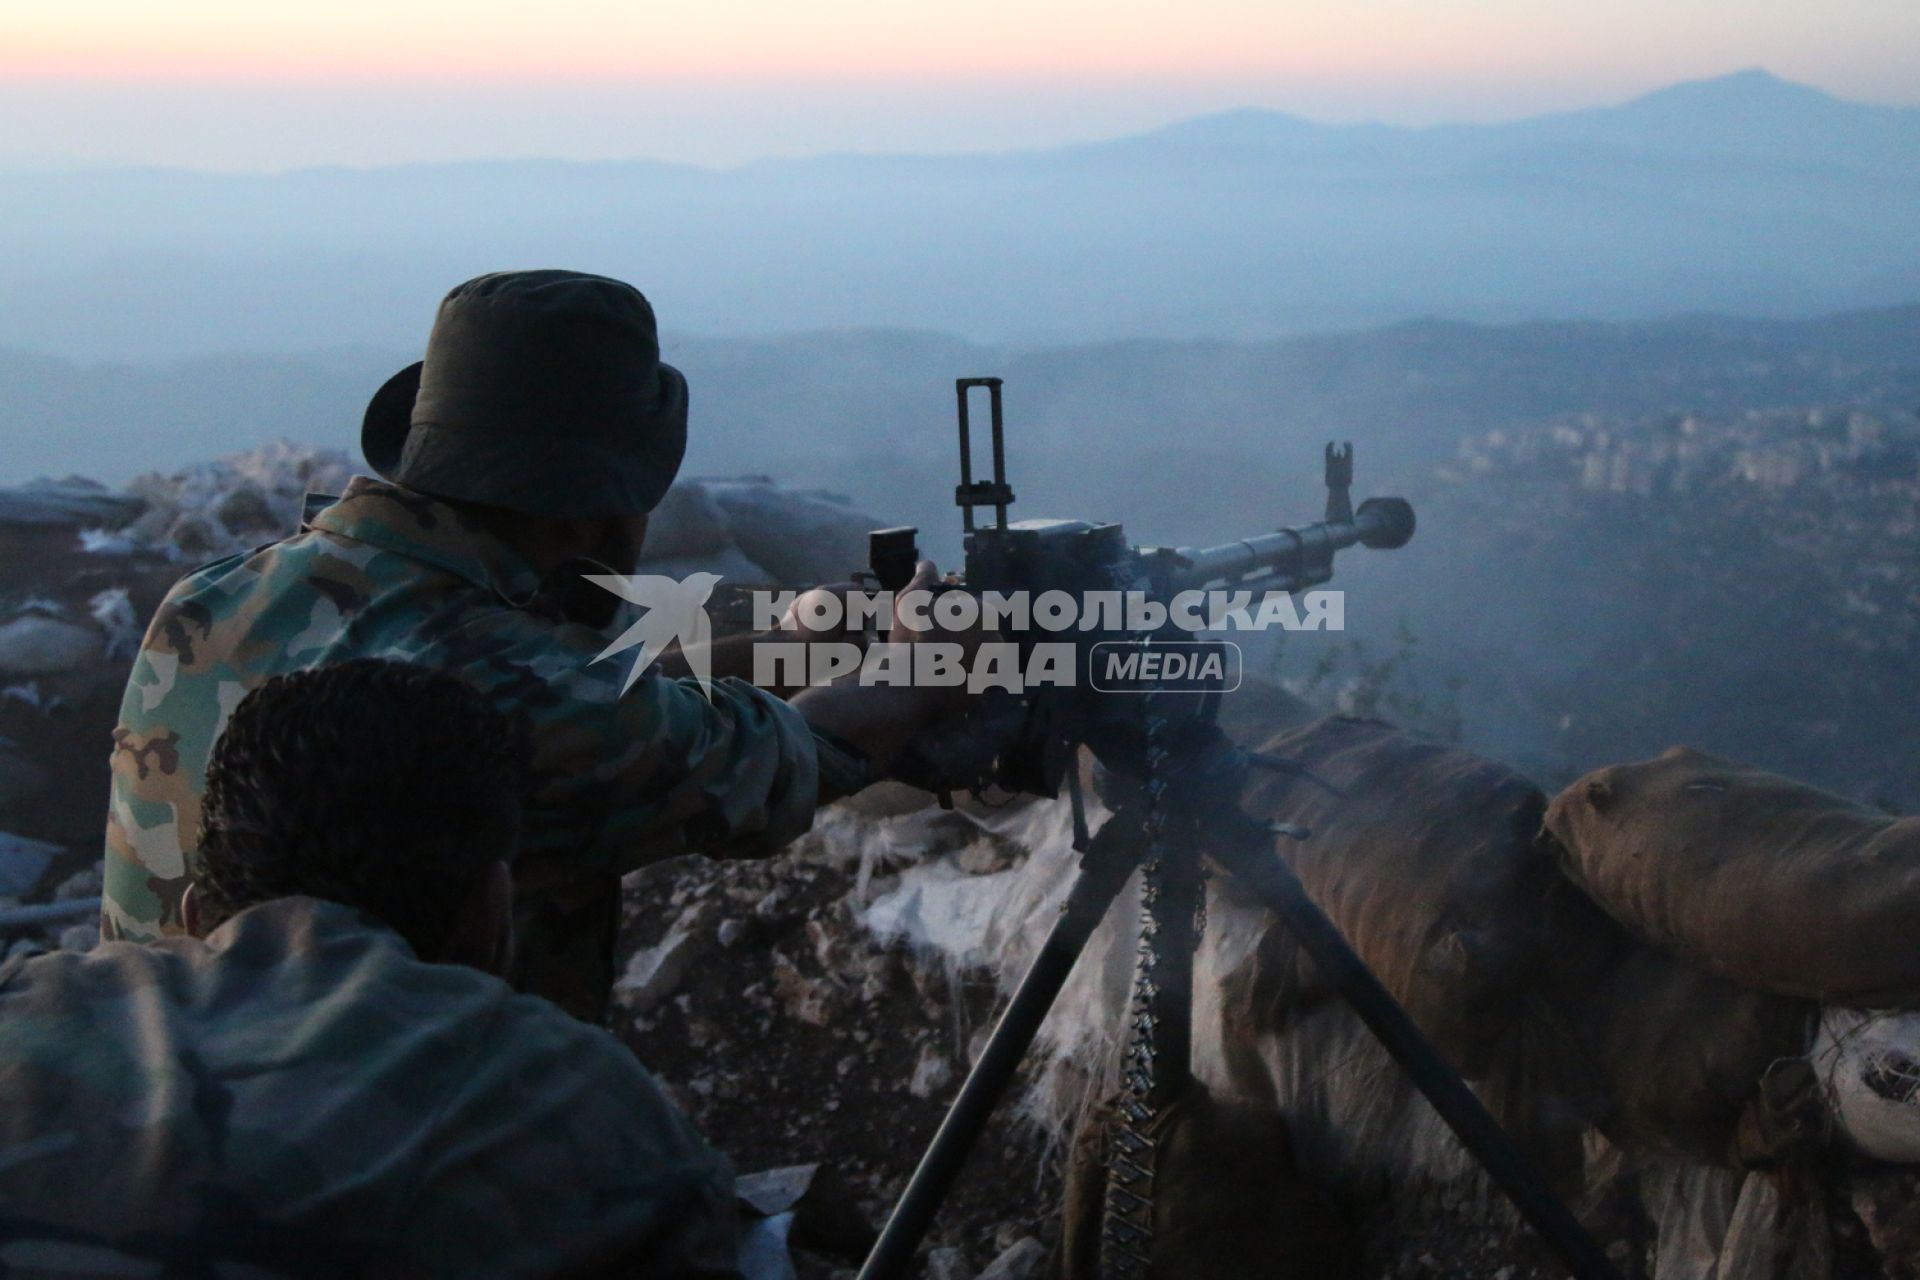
(300, 1095)
(388, 572)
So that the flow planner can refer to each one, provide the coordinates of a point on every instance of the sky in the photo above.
(276, 84)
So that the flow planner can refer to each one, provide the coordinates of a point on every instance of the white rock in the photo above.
(73, 502)
(948, 1264)
(28, 692)
(80, 937)
(113, 613)
(655, 973)
(938, 907)
(1021, 1261)
(106, 542)
(231, 504)
(84, 883)
(22, 862)
(931, 1074)
(35, 644)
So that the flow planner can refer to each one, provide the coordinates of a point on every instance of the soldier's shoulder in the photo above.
(537, 1047)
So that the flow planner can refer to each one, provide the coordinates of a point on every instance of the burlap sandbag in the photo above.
(1663, 1057)
(1775, 884)
(1426, 862)
(1678, 1054)
(1229, 1199)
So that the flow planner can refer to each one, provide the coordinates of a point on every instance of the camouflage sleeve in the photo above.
(559, 1154)
(627, 778)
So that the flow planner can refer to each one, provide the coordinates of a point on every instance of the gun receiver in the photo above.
(1084, 557)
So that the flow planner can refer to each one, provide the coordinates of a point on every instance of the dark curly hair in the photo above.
(381, 785)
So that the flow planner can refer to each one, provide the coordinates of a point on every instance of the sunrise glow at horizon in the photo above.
(235, 83)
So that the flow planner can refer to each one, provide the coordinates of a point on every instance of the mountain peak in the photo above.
(1753, 88)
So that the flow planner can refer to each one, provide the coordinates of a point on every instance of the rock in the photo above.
(23, 862)
(729, 931)
(20, 780)
(931, 1074)
(826, 1213)
(982, 857)
(804, 999)
(38, 644)
(106, 542)
(80, 937)
(831, 949)
(654, 974)
(233, 503)
(948, 1264)
(1887, 1200)
(877, 973)
(194, 537)
(120, 626)
(245, 509)
(71, 503)
(85, 883)
(1021, 1261)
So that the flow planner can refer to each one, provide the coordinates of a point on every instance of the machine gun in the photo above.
(1027, 743)
(1175, 799)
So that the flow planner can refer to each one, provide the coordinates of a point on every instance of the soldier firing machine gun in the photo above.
(1176, 786)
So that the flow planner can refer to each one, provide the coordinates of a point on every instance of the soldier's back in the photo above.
(301, 1095)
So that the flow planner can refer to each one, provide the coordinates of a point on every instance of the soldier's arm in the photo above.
(625, 776)
(734, 655)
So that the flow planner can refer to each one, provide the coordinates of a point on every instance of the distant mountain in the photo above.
(1131, 429)
(1744, 194)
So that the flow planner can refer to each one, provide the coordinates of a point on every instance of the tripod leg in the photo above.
(1110, 858)
(1251, 859)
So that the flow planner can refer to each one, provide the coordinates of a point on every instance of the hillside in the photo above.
(1744, 194)
(871, 412)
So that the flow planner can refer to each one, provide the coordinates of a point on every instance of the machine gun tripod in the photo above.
(1178, 787)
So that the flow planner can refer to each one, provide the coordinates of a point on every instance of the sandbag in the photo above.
(1426, 862)
(686, 523)
(1258, 709)
(1777, 885)
(801, 536)
(1776, 1236)
(1678, 1053)
(1229, 1199)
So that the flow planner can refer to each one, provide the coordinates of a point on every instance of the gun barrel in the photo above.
(1291, 558)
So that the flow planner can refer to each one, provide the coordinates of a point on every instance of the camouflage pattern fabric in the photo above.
(388, 572)
(300, 1096)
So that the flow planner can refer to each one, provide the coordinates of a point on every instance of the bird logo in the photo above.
(671, 609)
